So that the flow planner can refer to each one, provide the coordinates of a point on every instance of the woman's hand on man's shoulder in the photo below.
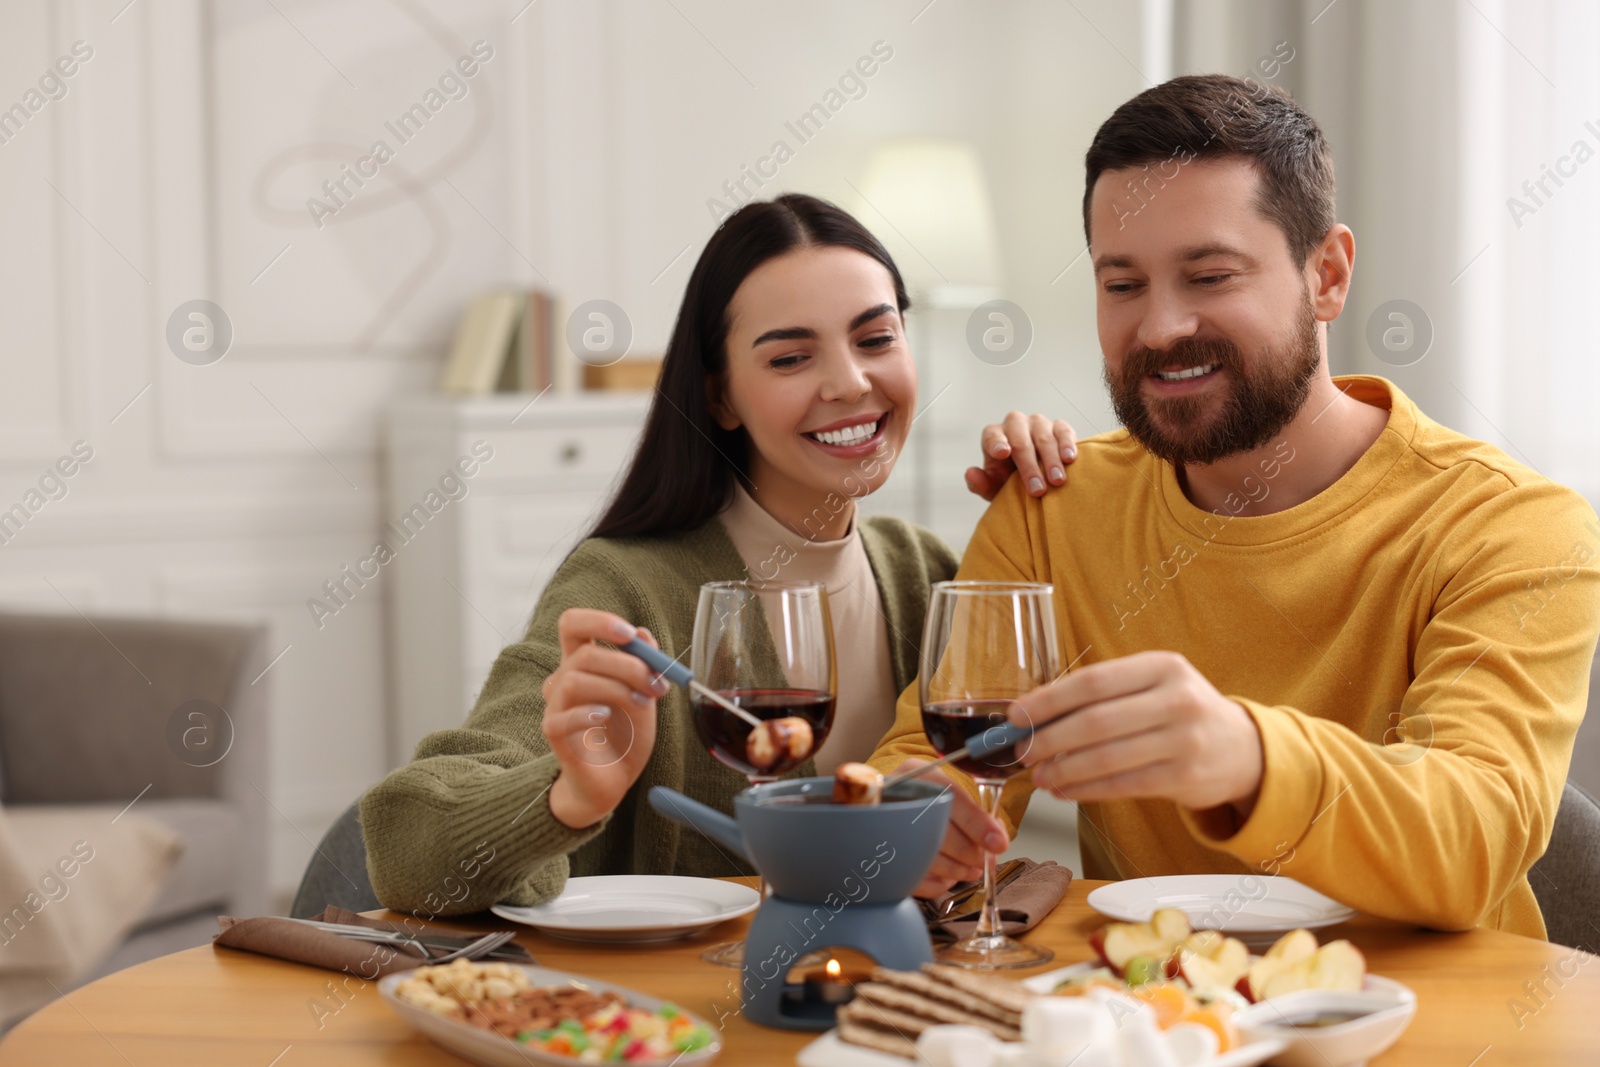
(1035, 448)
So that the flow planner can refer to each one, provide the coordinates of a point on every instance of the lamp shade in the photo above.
(926, 199)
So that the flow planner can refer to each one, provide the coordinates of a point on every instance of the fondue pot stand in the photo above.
(840, 875)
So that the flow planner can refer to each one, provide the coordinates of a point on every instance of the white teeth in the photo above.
(1185, 375)
(853, 435)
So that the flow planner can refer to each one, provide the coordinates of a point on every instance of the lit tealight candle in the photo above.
(832, 984)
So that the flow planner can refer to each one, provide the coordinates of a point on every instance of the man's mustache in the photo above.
(1189, 352)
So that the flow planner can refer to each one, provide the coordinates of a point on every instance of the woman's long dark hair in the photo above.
(683, 471)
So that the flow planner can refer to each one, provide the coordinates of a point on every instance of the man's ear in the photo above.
(1328, 271)
(716, 398)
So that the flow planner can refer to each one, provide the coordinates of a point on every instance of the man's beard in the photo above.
(1257, 407)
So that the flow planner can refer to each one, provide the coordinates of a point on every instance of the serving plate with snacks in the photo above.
(1161, 994)
(944, 1016)
(503, 1015)
(1316, 1001)
(1212, 967)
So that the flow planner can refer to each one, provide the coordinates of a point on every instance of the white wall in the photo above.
(183, 152)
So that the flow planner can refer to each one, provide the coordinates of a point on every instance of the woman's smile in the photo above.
(858, 435)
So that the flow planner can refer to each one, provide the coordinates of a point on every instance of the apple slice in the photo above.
(1210, 963)
(1289, 949)
(1338, 965)
(1294, 945)
(1118, 943)
(1171, 924)
(1205, 942)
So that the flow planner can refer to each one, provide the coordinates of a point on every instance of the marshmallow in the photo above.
(1192, 1043)
(1076, 1030)
(776, 739)
(958, 1046)
(857, 783)
(1140, 1037)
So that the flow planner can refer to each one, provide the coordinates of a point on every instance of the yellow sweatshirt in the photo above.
(1413, 643)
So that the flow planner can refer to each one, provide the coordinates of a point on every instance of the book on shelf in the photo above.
(477, 360)
(512, 342)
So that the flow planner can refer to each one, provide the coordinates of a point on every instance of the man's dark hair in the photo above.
(1212, 116)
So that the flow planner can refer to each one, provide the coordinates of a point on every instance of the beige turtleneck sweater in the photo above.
(771, 550)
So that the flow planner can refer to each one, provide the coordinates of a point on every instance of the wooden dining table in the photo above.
(1484, 998)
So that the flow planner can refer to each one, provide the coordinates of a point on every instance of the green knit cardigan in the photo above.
(466, 823)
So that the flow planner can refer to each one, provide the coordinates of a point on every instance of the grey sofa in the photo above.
(100, 712)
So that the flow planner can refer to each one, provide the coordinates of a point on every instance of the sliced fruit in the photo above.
(1338, 965)
(1296, 949)
(1169, 1002)
(1289, 949)
(1118, 943)
(1210, 963)
(1296, 944)
(1143, 969)
(1171, 924)
(1215, 1017)
(1204, 942)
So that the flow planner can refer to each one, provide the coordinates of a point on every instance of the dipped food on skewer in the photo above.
(772, 742)
(778, 741)
(857, 783)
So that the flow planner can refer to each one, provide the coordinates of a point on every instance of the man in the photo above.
(1312, 631)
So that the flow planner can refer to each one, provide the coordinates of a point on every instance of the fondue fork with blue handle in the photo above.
(769, 739)
(993, 740)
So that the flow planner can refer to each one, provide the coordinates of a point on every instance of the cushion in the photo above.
(210, 832)
(105, 712)
(72, 884)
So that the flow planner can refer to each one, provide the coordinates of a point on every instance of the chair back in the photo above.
(1566, 879)
(337, 873)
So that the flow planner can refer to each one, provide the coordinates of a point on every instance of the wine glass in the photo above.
(768, 648)
(984, 645)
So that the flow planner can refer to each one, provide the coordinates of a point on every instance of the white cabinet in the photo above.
(484, 498)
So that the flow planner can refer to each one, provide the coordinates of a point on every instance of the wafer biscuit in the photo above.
(916, 982)
(886, 996)
(891, 1011)
(1001, 992)
(905, 1023)
(867, 1036)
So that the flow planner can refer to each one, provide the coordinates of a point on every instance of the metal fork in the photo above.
(481, 947)
(398, 937)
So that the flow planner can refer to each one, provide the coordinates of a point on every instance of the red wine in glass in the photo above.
(767, 647)
(984, 644)
(726, 735)
(952, 724)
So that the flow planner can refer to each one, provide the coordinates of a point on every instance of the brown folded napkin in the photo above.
(1023, 904)
(291, 940)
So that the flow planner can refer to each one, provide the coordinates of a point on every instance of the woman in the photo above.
(787, 392)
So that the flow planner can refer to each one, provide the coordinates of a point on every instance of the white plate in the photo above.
(829, 1051)
(492, 1050)
(1253, 908)
(635, 908)
(1046, 982)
